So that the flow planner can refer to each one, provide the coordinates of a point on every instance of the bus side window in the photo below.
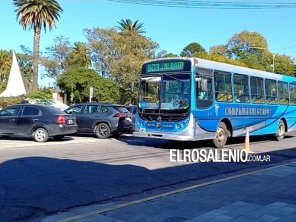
(293, 94)
(204, 92)
(223, 87)
(241, 88)
(271, 91)
(283, 93)
(257, 90)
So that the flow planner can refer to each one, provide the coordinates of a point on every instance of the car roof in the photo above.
(47, 107)
(29, 104)
(99, 103)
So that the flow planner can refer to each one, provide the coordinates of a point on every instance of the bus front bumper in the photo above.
(164, 136)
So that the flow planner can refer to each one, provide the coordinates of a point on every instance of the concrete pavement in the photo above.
(263, 195)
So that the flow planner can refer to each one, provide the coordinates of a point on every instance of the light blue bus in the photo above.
(191, 99)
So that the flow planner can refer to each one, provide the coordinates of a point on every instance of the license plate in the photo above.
(70, 121)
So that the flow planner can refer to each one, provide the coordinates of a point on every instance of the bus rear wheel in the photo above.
(221, 135)
(280, 134)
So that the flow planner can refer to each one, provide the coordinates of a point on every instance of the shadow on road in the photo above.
(164, 144)
(30, 187)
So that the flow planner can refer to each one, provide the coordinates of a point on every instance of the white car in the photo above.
(60, 105)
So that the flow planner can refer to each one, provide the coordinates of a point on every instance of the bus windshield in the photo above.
(165, 92)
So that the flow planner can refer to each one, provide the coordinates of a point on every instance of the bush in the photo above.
(41, 94)
(9, 101)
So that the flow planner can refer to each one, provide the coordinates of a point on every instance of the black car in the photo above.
(102, 119)
(37, 121)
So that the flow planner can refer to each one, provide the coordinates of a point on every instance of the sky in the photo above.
(171, 27)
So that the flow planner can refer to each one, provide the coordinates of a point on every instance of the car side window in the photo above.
(11, 111)
(91, 109)
(103, 109)
(75, 109)
(31, 111)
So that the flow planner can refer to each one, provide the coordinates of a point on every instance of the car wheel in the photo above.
(280, 134)
(102, 131)
(221, 135)
(59, 137)
(40, 135)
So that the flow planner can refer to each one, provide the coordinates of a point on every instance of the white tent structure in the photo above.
(15, 85)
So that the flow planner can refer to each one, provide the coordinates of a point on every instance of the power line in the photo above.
(210, 4)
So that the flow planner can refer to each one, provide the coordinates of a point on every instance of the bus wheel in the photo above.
(221, 135)
(280, 134)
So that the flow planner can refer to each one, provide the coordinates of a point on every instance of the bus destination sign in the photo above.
(166, 66)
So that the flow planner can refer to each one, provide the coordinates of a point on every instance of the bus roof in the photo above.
(219, 66)
(213, 65)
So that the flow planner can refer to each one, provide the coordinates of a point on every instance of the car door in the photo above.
(89, 116)
(8, 118)
(29, 116)
(77, 111)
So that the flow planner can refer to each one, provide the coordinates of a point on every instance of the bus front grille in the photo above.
(162, 117)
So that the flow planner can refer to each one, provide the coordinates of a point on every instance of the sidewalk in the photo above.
(264, 195)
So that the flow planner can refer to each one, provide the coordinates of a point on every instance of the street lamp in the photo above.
(273, 56)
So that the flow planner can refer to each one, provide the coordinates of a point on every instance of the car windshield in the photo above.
(169, 92)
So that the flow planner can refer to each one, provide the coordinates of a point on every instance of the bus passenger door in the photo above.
(204, 92)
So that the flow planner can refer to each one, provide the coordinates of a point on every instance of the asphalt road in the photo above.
(42, 179)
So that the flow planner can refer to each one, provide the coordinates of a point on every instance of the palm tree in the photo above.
(128, 26)
(33, 14)
(78, 57)
(80, 49)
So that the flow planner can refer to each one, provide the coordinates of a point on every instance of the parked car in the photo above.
(102, 119)
(37, 121)
(58, 104)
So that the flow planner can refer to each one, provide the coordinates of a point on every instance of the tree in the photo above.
(192, 50)
(130, 27)
(168, 55)
(55, 62)
(284, 64)
(121, 56)
(222, 58)
(241, 46)
(25, 64)
(251, 49)
(78, 57)
(5, 64)
(242, 42)
(33, 14)
(220, 50)
(77, 82)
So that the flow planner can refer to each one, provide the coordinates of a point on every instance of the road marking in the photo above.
(154, 197)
